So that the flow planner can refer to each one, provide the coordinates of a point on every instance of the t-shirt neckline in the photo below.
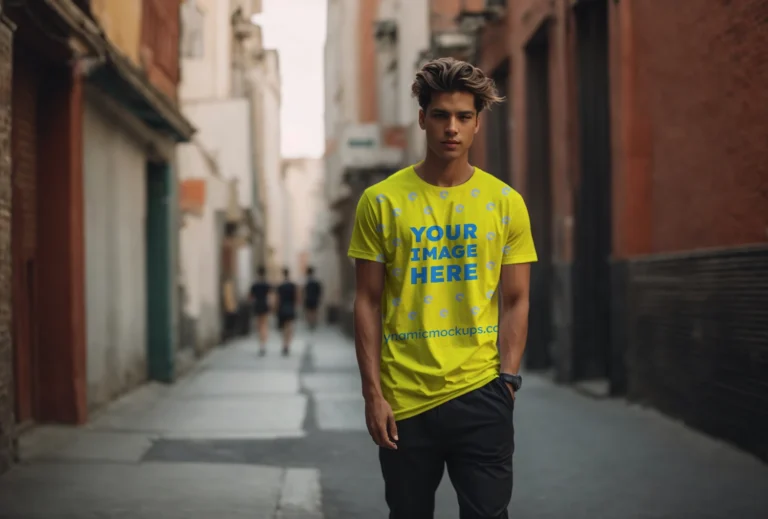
(468, 184)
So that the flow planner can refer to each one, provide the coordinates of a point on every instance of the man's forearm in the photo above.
(513, 332)
(368, 346)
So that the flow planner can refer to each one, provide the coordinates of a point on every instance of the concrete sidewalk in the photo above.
(273, 437)
(99, 470)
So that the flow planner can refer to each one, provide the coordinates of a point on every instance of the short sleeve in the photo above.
(519, 247)
(366, 242)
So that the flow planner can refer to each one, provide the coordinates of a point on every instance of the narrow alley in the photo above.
(274, 437)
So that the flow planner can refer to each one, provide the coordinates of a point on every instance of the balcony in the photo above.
(360, 155)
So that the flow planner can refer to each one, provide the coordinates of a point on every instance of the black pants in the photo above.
(473, 436)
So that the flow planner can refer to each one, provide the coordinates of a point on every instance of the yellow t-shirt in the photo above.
(443, 248)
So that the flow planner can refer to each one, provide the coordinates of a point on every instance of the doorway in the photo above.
(592, 204)
(160, 278)
(24, 230)
(539, 199)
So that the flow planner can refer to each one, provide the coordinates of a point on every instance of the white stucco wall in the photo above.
(303, 186)
(209, 75)
(224, 131)
(272, 162)
(199, 248)
(115, 257)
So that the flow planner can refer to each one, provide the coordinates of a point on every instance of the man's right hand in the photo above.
(381, 422)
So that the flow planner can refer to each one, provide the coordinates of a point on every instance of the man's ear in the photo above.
(422, 116)
(477, 123)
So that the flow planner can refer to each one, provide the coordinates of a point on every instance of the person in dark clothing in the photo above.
(287, 297)
(312, 293)
(260, 292)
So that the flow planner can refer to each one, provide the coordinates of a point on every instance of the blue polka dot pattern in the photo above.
(490, 265)
(459, 208)
(490, 206)
(427, 300)
(380, 198)
(443, 194)
(412, 196)
(491, 235)
(506, 191)
(475, 193)
(412, 316)
(444, 313)
(459, 297)
(428, 210)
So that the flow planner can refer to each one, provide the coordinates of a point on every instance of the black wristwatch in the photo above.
(516, 381)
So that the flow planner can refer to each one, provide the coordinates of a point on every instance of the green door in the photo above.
(160, 279)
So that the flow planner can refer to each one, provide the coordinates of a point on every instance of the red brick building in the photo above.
(47, 52)
(6, 344)
(636, 132)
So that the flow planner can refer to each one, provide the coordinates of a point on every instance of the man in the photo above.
(260, 292)
(287, 297)
(312, 292)
(437, 245)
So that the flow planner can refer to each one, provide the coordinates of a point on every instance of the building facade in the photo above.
(222, 179)
(371, 55)
(90, 124)
(303, 181)
(610, 135)
(7, 398)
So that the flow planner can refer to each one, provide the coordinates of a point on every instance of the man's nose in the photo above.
(452, 129)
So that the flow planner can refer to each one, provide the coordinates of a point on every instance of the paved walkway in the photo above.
(274, 437)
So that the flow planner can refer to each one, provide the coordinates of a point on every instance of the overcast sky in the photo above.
(296, 28)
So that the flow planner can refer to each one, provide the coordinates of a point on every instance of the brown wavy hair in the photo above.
(452, 75)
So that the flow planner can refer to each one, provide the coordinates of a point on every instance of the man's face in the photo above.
(451, 123)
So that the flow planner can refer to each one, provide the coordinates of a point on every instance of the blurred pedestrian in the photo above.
(312, 293)
(436, 246)
(259, 297)
(287, 297)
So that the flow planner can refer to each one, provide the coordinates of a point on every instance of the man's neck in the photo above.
(444, 173)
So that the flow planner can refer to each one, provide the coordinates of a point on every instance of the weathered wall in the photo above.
(709, 121)
(6, 355)
(115, 208)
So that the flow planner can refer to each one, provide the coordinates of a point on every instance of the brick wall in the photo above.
(553, 18)
(696, 345)
(703, 66)
(24, 148)
(443, 13)
(6, 371)
(690, 181)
